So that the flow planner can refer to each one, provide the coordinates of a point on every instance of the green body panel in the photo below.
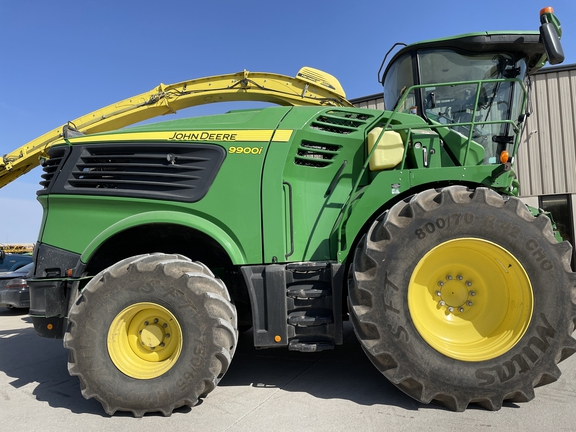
(101, 219)
(231, 207)
(312, 213)
(277, 206)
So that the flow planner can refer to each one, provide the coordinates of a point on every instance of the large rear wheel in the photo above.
(151, 333)
(462, 296)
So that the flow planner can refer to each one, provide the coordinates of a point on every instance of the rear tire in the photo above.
(151, 333)
(461, 296)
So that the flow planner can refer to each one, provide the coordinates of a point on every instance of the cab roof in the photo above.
(527, 43)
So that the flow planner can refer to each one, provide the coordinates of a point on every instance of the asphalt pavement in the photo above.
(264, 390)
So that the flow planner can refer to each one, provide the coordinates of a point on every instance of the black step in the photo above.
(310, 346)
(309, 318)
(307, 293)
(307, 266)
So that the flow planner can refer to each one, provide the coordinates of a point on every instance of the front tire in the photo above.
(151, 333)
(461, 296)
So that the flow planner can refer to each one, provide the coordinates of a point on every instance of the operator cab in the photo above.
(471, 87)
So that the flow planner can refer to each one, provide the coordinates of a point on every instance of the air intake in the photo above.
(316, 155)
(176, 172)
(340, 122)
(50, 167)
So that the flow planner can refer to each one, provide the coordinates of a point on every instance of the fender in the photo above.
(228, 243)
(388, 187)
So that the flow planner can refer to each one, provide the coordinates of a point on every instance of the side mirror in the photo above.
(550, 32)
(2, 254)
(431, 100)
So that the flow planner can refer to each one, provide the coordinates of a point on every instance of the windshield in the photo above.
(11, 262)
(399, 77)
(489, 100)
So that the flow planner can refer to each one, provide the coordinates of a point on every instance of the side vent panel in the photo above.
(328, 125)
(316, 155)
(159, 171)
(340, 122)
(51, 166)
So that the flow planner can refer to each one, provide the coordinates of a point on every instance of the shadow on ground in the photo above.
(40, 364)
(342, 373)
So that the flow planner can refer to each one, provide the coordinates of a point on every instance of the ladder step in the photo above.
(296, 345)
(307, 266)
(306, 319)
(307, 293)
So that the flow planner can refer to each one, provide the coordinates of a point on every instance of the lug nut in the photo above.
(438, 293)
(449, 277)
(461, 309)
(472, 293)
(146, 323)
(468, 283)
(440, 283)
(167, 335)
(450, 309)
(164, 325)
(442, 303)
(459, 277)
(469, 303)
(155, 320)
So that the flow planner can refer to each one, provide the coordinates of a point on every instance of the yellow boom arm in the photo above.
(309, 87)
(17, 248)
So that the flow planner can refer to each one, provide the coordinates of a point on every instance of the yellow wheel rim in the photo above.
(470, 299)
(144, 340)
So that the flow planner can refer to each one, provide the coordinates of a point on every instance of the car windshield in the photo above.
(11, 263)
(27, 267)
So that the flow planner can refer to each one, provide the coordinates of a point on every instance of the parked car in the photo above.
(14, 291)
(11, 262)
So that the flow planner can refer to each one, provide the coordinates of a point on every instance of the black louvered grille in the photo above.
(51, 166)
(179, 172)
(131, 170)
(316, 154)
(340, 122)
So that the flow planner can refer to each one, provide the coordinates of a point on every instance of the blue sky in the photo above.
(65, 58)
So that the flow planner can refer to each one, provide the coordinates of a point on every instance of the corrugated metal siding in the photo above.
(547, 157)
(373, 102)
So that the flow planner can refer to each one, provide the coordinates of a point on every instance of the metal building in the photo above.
(546, 163)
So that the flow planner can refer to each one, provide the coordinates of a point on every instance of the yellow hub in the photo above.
(144, 340)
(470, 299)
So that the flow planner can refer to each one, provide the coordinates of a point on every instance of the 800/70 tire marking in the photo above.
(441, 223)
